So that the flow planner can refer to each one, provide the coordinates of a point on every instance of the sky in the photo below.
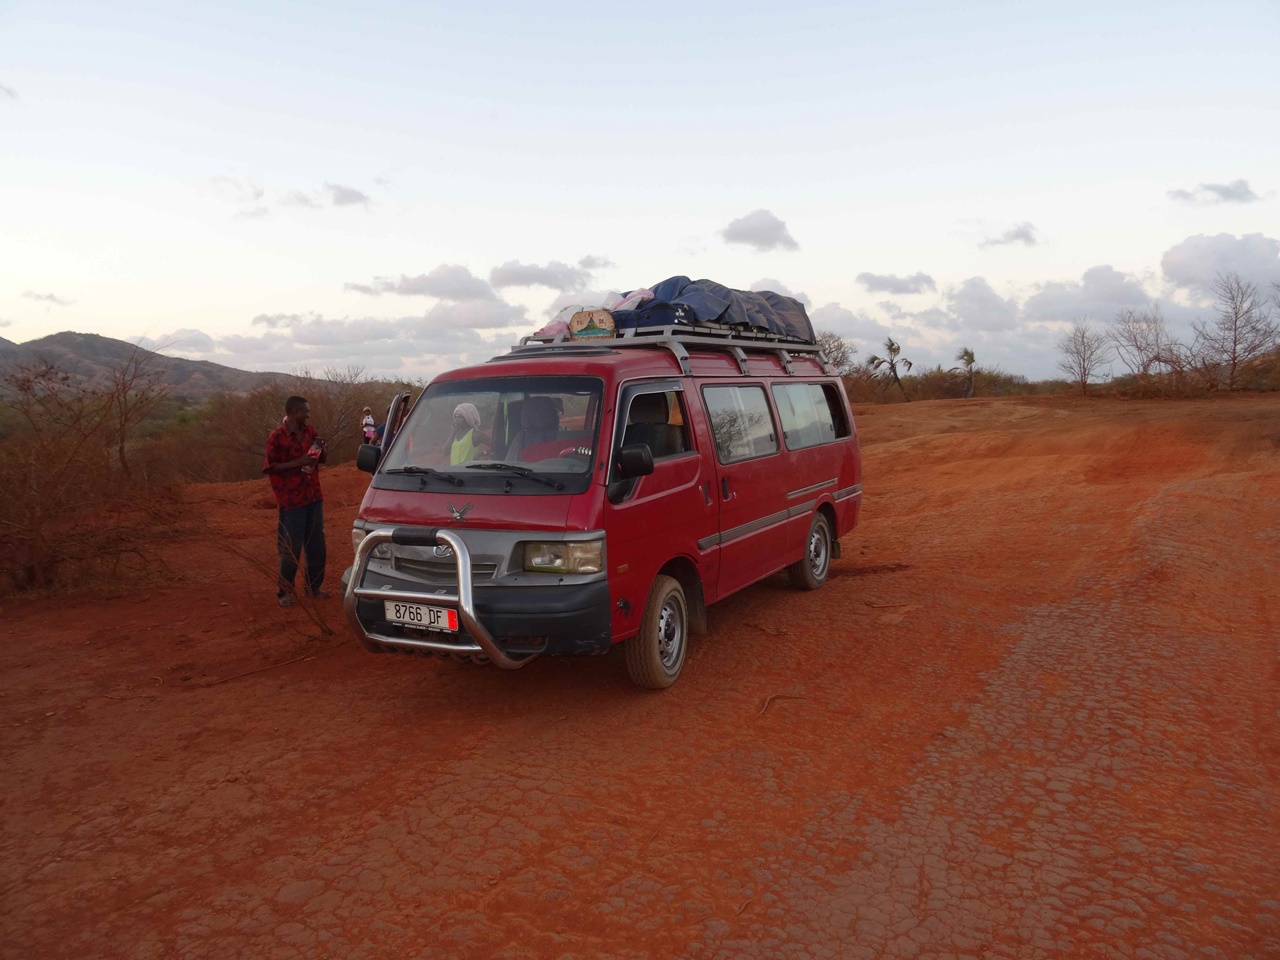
(410, 187)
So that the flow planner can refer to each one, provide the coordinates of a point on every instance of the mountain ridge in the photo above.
(92, 357)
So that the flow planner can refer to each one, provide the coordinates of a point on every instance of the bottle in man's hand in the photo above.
(317, 448)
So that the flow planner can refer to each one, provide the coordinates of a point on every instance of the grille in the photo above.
(443, 571)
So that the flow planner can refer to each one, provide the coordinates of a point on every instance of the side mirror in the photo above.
(367, 457)
(634, 460)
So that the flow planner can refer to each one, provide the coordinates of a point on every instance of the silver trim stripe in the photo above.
(812, 488)
(745, 529)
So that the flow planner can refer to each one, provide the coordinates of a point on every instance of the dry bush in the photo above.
(225, 438)
(75, 506)
(935, 384)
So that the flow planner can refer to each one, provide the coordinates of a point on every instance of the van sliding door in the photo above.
(750, 484)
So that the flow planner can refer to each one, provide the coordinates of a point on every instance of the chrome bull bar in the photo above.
(483, 643)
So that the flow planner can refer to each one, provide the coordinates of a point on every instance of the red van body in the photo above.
(601, 492)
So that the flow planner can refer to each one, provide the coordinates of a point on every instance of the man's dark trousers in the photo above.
(301, 531)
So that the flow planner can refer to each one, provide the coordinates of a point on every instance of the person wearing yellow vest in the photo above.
(465, 441)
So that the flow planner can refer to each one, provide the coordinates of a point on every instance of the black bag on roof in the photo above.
(678, 300)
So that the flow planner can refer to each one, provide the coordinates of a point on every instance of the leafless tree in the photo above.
(1142, 342)
(887, 366)
(1244, 332)
(134, 393)
(1084, 351)
(838, 351)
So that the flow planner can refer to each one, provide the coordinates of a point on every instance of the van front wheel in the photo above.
(656, 654)
(810, 571)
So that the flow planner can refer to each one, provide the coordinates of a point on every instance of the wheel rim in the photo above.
(819, 551)
(670, 633)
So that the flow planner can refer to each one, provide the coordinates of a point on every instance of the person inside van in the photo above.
(539, 424)
(465, 442)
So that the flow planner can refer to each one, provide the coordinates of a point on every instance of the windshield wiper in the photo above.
(426, 472)
(516, 469)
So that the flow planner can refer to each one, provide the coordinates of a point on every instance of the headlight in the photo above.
(582, 556)
(357, 537)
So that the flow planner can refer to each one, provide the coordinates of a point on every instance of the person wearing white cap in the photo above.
(465, 440)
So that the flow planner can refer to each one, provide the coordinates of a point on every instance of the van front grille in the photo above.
(443, 571)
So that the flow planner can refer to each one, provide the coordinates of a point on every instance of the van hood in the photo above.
(460, 510)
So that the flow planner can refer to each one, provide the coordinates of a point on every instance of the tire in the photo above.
(656, 654)
(811, 571)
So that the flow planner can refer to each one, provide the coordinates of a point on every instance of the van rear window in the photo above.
(741, 422)
(811, 414)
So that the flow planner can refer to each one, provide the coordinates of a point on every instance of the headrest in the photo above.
(649, 408)
(540, 413)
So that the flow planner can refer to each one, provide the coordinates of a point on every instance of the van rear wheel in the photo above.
(810, 571)
(656, 654)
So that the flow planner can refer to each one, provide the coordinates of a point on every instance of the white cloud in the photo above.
(475, 314)
(864, 330)
(330, 194)
(1237, 191)
(340, 195)
(1193, 263)
(236, 191)
(777, 286)
(47, 298)
(556, 275)
(1101, 292)
(8, 93)
(899, 286)
(583, 299)
(296, 198)
(448, 336)
(974, 305)
(276, 320)
(591, 262)
(447, 281)
(1023, 233)
(760, 229)
(186, 341)
(254, 213)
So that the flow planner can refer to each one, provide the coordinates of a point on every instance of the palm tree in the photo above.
(888, 365)
(965, 356)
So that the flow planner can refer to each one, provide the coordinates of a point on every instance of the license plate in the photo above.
(420, 615)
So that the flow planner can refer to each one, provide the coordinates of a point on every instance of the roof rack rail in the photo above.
(676, 338)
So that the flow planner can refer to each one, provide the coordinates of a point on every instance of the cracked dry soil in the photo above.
(1034, 714)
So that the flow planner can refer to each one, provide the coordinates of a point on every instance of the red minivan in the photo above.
(570, 495)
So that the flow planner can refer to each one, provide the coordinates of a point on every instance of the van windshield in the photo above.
(522, 431)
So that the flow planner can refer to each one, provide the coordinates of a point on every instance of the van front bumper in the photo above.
(508, 626)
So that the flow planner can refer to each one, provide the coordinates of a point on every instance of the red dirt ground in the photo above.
(1034, 714)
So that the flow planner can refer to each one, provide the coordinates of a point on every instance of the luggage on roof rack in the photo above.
(679, 301)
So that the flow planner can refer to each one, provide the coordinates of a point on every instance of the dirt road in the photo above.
(1035, 713)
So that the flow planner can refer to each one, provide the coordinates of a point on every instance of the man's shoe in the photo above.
(320, 594)
(288, 600)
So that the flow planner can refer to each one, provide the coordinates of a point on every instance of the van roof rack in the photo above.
(676, 338)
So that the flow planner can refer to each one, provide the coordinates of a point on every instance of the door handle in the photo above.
(724, 487)
(706, 492)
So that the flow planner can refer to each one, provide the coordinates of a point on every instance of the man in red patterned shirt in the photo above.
(292, 463)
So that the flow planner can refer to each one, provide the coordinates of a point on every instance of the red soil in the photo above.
(1034, 713)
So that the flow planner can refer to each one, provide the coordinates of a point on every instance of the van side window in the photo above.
(741, 422)
(811, 414)
(658, 420)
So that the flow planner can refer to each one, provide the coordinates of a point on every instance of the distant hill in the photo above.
(93, 357)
